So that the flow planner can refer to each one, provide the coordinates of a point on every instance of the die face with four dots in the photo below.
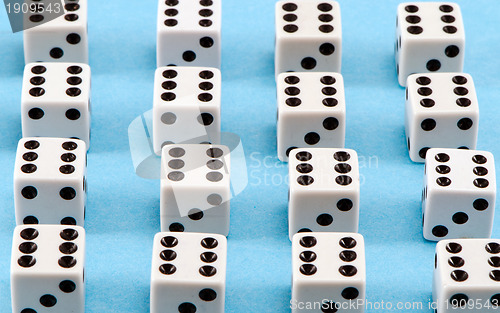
(47, 269)
(186, 106)
(189, 33)
(329, 272)
(459, 194)
(324, 190)
(441, 112)
(308, 36)
(467, 275)
(49, 181)
(188, 273)
(430, 37)
(55, 100)
(63, 39)
(311, 111)
(195, 188)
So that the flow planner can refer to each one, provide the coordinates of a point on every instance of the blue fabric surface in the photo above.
(123, 209)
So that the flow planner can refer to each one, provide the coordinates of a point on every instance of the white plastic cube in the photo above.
(441, 112)
(55, 101)
(189, 33)
(186, 106)
(430, 37)
(47, 269)
(195, 188)
(459, 194)
(188, 273)
(311, 111)
(328, 272)
(49, 181)
(308, 36)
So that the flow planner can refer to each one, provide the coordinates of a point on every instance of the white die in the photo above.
(308, 36)
(430, 37)
(194, 27)
(63, 39)
(47, 269)
(324, 191)
(49, 181)
(459, 194)
(467, 276)
(328, 272)
(441, 112)
(195, 188)
(186, 106)
(188, 273)
(55, 101)
(311, 111)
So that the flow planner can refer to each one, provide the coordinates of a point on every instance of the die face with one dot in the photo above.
(195, 188)
(49, 181)
(328, 269)
(308, 36)
(430, 37)
(311, 111)
(194, 27)
(55, 100)
(324, 190)
(63, 39)
(47, 269)
(459, 194)
(188, 273)
(467, 275)
(441, 112)
(186, 107)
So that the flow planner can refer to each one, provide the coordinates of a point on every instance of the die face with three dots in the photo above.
(441, 112)
(55, 100)
(49, 181)
(47, 269)
(467, 275)
(186, 106)
(328, 269)
(324, 190)
(459, 194)
(188, 273)
(195, 188)
(194, 27)
(308, 36)
(63, 39)
(311, 111)
(430, 37)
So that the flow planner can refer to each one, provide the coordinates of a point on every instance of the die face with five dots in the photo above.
(49, 181)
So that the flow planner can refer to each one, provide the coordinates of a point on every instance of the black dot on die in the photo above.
(495, 299)
(480, 204)
(206, 119)
(350, 293)
(411, 8)
(312, 138)
(456, 261)
(67, 193)
(28, 168)
(207, 294)
(308, 63)
(289, 150)
(293, 102)
(28, 247)
(452, 51)
(494, 261)
(433, 65)
(73, 114)
(458, 300)
(342, 168)
(450, 29)
(37, 80)
(290, 28)
(290, 17)
(428, 124)
(305, 180)
(481, 183)
(424, 91)
(67, 286)
(348, 242)
(48, 301)
(460, 218)
(56, 53)
(36, 113)
(459, 275)
(415, 30)
(29, 192)
(168, 255)
(308, 269)
(324, 219)
(206, 42)
(348, 256)
(348, 270)
(423, 80)
(465, 123)
(440, 231)
(413, 19)
(493, 248)
(304, 168)
(326, 28)
(68, 221)
(326, 18)
(423, 152)
(304, 230)
(442, 157)
(495, 275)
(167, 269)
(195, 214)
(344, 205)
(28, 311)
(71, 17)
(37, 92)
(327, 49)
(453, 247)
(330, 123)
(73, 39)
(29, 234)
(30, 220)
(205, 23)
(176, 227)
(189, 56)
(463, 102)
(308, 256)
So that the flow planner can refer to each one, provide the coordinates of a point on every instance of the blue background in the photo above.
(123, 209)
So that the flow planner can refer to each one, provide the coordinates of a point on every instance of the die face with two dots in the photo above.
(324, 190)
(49, 181)
(195, 188)
(459, 194)
(55, 100)
(311, 111)
(441, 112)
(189, 33)
(467, 275)
(308, 36)
(329, 272)
(186, 106)
(47, 269)
(188, 273)
(63, 39)
(430, 37)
